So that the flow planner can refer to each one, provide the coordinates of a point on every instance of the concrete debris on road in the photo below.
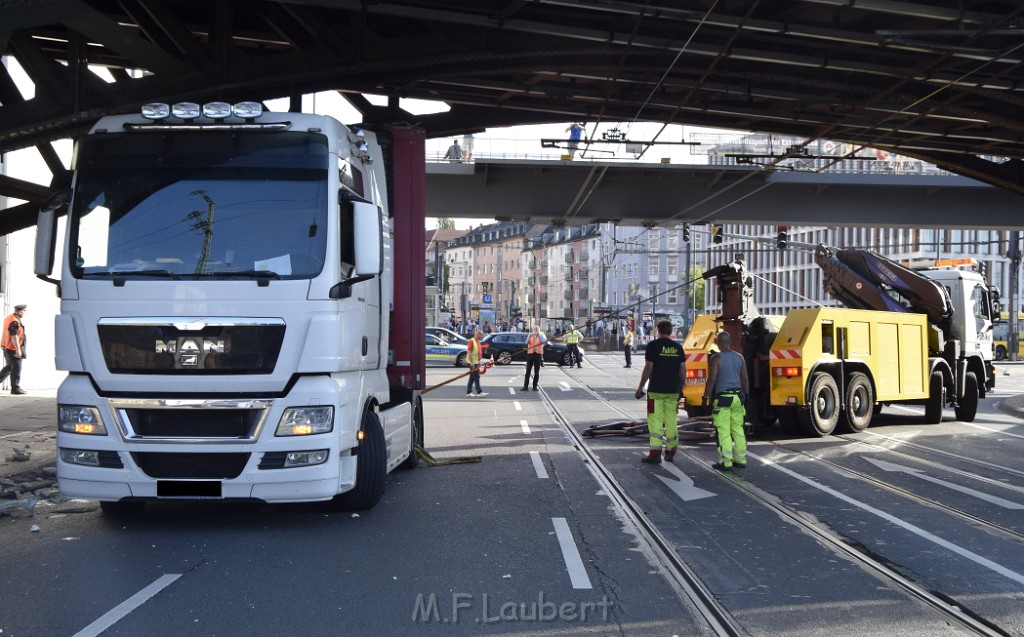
(19, 455)
(29, 505)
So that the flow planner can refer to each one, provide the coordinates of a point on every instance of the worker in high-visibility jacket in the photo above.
(665, 367)
(13, 343)
(534, 356)
(572, 339)
(473, 360)
(726, 390)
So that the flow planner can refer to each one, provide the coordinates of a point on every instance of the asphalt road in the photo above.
(527, 542)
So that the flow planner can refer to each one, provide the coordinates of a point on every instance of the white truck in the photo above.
(227, 311)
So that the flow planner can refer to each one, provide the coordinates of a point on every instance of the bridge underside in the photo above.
(924, 78)
(667, 195)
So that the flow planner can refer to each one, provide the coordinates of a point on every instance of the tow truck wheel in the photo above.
(967, 406)
(859, 404)
(417, 437)
(936, 399)
(370, 470)
(823, 415)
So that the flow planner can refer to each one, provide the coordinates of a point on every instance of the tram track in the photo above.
(689, 587)
(969, 517)
(697, 592)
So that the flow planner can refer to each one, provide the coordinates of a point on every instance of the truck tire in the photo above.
(859, 404)
(823, 415)
(370, 470)
(936, 399)
(413, 460)
(967, 407)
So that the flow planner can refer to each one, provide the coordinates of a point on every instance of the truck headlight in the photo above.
(306, 421)
(80, 419)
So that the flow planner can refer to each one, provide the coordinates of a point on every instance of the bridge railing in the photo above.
(715, 150)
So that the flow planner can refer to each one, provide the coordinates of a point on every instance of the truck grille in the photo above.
(192, 423)
(176, 466)
(177, 420)
(194, 346)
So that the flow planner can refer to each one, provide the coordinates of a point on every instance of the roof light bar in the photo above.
(212, 110)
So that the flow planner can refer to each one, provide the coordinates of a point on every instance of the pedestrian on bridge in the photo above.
(454, 154)
(727, 386)
(665, 367)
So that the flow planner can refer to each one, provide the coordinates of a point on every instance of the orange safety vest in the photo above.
(473, 352)
(7, 341)
(534, 345)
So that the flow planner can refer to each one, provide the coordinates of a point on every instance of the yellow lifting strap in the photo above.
(430, 460)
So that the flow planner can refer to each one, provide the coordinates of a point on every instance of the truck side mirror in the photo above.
(369, 239)
(46, 234)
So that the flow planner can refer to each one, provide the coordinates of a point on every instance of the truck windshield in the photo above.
(200, 204)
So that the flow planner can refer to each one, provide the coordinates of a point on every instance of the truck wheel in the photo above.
(370, 470)
(936, 399)
(967, 406)
(460, 360)
(823, 415)
(417, 437)
(859, 404)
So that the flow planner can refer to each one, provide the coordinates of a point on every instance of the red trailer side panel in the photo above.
(407, 198)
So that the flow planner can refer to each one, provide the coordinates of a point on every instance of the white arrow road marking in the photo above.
(683, 485)
(889, 466)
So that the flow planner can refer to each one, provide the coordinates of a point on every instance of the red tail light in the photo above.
(786, 372)
(696, 373)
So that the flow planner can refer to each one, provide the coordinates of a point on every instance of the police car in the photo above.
(441, 351)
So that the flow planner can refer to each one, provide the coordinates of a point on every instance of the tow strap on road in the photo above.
(431, 461)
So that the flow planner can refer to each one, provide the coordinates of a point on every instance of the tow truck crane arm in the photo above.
(866, 280)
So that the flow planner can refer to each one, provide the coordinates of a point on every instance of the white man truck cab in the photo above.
(226, 294)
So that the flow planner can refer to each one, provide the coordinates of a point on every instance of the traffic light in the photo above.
(783, 239)
(686, 233)
(716, 234)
